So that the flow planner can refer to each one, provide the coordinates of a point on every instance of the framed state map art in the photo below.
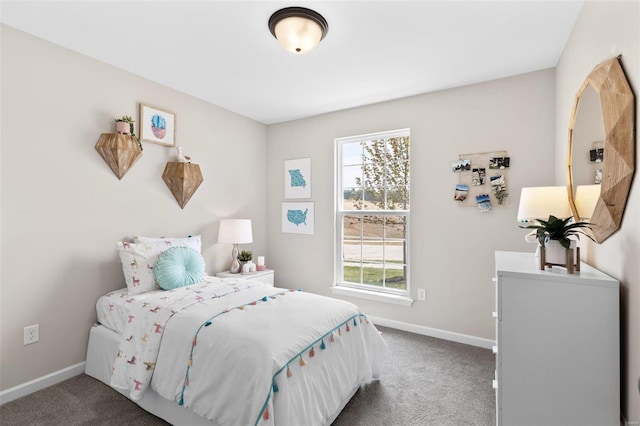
(297, 178)
(297, 218)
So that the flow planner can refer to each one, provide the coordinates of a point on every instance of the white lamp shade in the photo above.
(586, 199)
(235, 231)
(543, 201)
(298, 34)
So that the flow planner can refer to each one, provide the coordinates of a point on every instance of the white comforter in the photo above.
(260, 355)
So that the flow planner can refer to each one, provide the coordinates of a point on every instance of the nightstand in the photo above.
(265, 276)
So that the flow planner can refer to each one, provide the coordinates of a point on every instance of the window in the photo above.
(372, 212)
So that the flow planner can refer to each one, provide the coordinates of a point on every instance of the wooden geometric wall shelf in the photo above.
(182, 179)
(119, 151)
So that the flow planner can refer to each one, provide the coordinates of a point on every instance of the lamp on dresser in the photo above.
(235, 231)
(541, 202)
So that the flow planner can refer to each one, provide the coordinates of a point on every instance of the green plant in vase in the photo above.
(560, 230)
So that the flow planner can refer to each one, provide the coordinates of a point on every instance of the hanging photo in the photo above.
(484, 202)
(596, 155)
(478, 176)
(461, 166)
(461, 192)
(499, 162)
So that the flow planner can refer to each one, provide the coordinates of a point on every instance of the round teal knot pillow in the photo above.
(178, 267)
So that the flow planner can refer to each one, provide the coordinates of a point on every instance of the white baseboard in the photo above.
(434, 332)
(41, 383)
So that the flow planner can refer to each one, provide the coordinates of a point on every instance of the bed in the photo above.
(233, 352)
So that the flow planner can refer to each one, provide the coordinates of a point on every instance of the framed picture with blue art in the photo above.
(157, 125)
(297, 178)
(297, 218)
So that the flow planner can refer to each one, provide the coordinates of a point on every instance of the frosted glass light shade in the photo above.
(235, 231)
(298, 29)
(298, 35)
(543, 201)
(586, 199)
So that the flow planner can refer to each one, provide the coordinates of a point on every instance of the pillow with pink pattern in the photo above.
(138, 260)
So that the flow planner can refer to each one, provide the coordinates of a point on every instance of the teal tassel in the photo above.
(207, 324)
(264, 299)
(322, 345)
(355, 324)
(275, 387)
(299, 289)
(181, 402)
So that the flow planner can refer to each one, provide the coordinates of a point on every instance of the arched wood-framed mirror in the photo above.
(601, 153)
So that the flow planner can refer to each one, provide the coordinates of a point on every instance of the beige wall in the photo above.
(63, 209)
(606, 29)
(451, 247)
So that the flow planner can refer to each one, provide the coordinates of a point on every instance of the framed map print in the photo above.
(297, 218)
(297, 178)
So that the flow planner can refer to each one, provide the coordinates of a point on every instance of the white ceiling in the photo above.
(222, 51)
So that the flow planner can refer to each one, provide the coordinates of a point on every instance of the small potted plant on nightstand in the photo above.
(556, 245)
(244, 257)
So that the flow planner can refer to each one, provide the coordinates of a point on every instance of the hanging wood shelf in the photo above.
(119, 151)
(183, 179)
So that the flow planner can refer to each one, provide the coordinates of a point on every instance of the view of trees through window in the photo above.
(375, 210)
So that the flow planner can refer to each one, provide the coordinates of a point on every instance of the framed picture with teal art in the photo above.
(297, 178)
(298, 218)
(157, 125)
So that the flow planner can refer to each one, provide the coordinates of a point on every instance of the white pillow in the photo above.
(138, 260)
(183, 241)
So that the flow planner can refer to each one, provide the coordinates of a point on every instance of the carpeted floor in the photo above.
(426, 381)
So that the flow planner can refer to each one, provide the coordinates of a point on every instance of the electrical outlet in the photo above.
(422, 294)
(31, 334)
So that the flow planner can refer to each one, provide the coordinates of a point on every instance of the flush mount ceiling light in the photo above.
(298, 29)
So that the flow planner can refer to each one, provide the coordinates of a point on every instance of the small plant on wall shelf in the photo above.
(127, 119)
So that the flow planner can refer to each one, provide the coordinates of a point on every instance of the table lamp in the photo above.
(541, 202)
(235, 231)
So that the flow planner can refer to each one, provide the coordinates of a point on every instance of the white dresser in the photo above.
(558, 344)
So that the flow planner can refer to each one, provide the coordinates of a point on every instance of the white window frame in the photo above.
(372, 292)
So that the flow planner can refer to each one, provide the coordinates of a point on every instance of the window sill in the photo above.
(372, 295)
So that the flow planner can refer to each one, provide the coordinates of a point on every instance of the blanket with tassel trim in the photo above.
(267, 356)
(148, 314)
